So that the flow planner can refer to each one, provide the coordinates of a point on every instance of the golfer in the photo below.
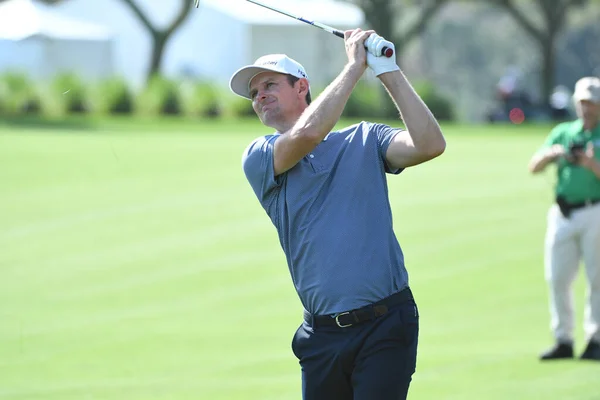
(573, 232)
(326, 193)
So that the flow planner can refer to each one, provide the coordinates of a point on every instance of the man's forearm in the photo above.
(594, 166)
(540, 162)
(421, 124)
(324, 112)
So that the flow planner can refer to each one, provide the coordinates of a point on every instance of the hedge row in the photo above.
(68, 94)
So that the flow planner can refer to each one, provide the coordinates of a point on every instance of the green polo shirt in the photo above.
(575, 183)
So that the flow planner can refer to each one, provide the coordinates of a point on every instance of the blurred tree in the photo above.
(160, 36)
(554, 18)
(385, 16)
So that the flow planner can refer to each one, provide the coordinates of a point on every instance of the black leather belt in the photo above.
(587, 203)
(363, 314)
(567, 208)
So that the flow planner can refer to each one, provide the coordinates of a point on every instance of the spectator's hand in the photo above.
(557, 151)
(378, 63)
(586, 158)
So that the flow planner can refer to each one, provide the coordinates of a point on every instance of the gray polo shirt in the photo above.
(333, 217)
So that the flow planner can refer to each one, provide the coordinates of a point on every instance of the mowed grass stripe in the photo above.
(70, 219)
(146, 241)
(128, 291)
(184, 387)
(168, 284)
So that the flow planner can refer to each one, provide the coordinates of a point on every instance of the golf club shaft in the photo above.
(386, 51)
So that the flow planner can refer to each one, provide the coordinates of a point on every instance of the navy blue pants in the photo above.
(374, 360)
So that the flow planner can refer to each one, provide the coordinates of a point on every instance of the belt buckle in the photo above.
(337, 321)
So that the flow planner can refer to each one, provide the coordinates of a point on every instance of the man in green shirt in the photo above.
(573, 231)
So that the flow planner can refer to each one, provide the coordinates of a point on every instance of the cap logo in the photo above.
(269, 63)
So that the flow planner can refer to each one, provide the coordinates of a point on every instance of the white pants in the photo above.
(568, 242)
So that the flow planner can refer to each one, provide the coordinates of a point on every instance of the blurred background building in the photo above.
(42, 42)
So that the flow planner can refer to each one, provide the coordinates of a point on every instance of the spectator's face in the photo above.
(588, 111)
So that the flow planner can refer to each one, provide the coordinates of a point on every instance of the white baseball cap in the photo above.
(240, 81)
(587, 88)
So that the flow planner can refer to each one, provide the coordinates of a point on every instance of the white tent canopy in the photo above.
(229, 34)
(324, 11)
(222, 35)
(37, 40)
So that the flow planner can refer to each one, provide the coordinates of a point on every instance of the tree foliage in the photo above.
(388, 19)
(553, 15)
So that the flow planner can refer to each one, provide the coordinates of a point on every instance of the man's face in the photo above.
(588, 111)
(274, 100)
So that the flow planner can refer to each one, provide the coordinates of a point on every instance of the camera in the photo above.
(575, 150)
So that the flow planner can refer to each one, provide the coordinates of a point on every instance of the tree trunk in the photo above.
(381, 17)
(159, 41)
(554, 14)
(159, 36)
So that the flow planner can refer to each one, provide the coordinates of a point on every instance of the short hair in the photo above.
(292, 80)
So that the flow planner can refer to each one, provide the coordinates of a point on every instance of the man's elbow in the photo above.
(534, 168)
(435, 148)
(536, 165)
(531, 168)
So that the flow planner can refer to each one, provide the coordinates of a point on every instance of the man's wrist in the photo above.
(592, 164)
(354, 70)
(394, 79)
(389, 76)
(552, 154)
(381, 70)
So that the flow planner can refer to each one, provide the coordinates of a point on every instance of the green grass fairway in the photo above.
(136, 264)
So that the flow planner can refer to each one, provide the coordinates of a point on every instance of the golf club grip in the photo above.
(386, 51)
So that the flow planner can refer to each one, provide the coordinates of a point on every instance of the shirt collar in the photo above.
(578, 128)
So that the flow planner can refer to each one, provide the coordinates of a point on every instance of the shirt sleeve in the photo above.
(257, 162)
(555, 137)
(385, 135)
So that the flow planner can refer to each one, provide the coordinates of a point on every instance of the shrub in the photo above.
(234, 106)
(200, 99)
(69, 91)
(441, 107)
(160, 96)
(113, 96)
(364, 102)
(371, 100)
(18, 95)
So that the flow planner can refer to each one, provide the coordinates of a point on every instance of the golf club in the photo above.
(386, 51)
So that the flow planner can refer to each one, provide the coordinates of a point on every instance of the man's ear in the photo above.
(302, 87)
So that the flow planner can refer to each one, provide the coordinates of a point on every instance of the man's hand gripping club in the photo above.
(380, 64)
(364, 48)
